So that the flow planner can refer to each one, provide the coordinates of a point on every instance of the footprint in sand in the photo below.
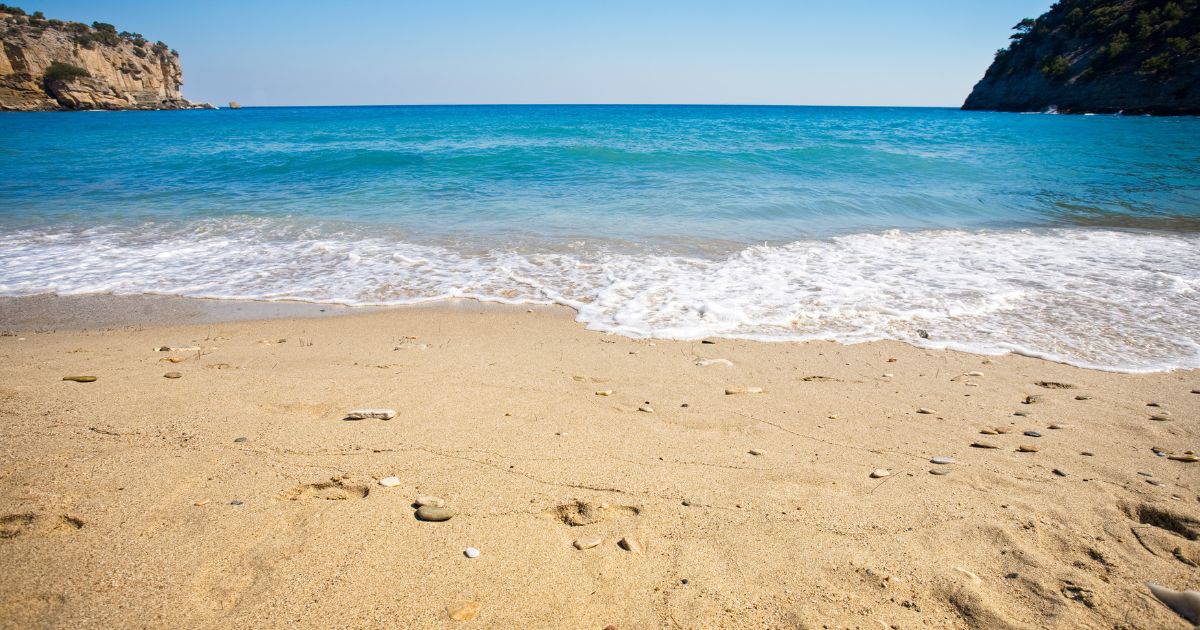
(336, 489)
(13, 525)
(578, 513)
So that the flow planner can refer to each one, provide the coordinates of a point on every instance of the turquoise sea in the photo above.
(1075, 238)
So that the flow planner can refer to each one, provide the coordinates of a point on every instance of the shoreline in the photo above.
(237, 493)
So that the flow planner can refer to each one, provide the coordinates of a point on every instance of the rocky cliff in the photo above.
(1103, 56)
(55, 65)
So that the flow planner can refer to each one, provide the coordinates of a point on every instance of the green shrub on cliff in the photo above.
(59, 71)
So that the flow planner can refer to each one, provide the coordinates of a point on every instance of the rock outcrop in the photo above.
(1102, 56)
(54, 65)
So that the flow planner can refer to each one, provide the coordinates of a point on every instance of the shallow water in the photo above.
(1072, 238)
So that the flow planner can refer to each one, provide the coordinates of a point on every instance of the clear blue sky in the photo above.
(804, 52)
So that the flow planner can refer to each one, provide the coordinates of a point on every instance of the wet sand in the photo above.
(130, 502)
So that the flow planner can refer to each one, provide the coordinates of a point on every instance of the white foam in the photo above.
(1097, 298)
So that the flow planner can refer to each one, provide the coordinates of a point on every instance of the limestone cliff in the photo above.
(1104, 56)
(55, 65)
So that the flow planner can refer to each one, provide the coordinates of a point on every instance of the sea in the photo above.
(1071, 238)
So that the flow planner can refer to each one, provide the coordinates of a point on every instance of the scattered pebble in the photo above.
(604, 392)
(1059, 426)
(939, 471)
(173, 375)
(1186, 457)
(587, 543)
(1160, 417)
(1020, 413)
(363, 414)
(631, 545)
(1154, 482)
(239, 440)
(1196, 391)
(1033, 434)
(1154, 403)
(889, 375)
(1027, 448)
(879, 473)
(389, 482)
(926, 411)
(730, 391)
(646, 409)
(1003, 430)
(987, 431)
(235, 502)
(471, 552)
(464, 612)
(172, 359)
(755, 452)
(708, 362)
(982, 444)
(974, 374)
(1088, 454)
(201, 502)
(1059, 472)
(1083, 397)
(1145, 474)
(80, 379)
(426, 500)
(941, 460)
(1033, 398)
(434, 514)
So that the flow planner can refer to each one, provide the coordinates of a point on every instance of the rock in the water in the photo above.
(434, 514)
(389, 482)
(471, 552)
(1027, 448)
(173, 375)
(587, 543)
(923, 410)
(730, 391)
(363, 414)
(80, 379)
(1033, 434)
(631, 545)
(982, 444)
(879, 473)
(425, 500)
(464, 612)
(942, 460)
(1185, 603)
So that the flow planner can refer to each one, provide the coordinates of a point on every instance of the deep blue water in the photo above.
(1071, 237)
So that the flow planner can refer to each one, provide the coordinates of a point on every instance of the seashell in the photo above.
(1185, 603)
(362, 414)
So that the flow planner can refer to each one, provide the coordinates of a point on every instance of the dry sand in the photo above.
(117, 497)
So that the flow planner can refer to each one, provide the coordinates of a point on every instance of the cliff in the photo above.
(55, 65)
(1104, 56)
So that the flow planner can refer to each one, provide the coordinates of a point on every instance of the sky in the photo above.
(378, 52)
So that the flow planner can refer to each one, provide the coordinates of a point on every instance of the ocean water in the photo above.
(1074, 238)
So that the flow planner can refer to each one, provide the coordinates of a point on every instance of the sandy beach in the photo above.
(237, 495)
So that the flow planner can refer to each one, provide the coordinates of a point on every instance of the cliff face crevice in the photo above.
(54, 65)
(1102, 56)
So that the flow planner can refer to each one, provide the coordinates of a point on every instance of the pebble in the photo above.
(730, 391)
(201, 502)
(708, 362)
(1027, 448)
(1003, 430)
(1059, 472)
(1196, 391)
(1059, 426)
(1160, 417)
(587, 543)
(363, 414)
(426, 500)
(235, 502)
(1153, 403)
(926, 411)
(646, 409)
(986, 431)
(1088, 454)
(434, 514)
(389, 482)
(1020, 413)
(464, 612)
(1083, 397)
(631, 545)
(1145, 474)
(755, 452)
(471, 552)
(173, 375)
(1033, 434)
(239, 440)
(604, 392)
(80, 379)
(939, 471)
(889, 375)
(1033, 398)
(1154, 482)
(942, 460)
(879, 473)
(1186, 457)
(974, 373)
(983, 445)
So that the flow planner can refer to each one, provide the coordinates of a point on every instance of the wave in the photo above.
(1103, 299)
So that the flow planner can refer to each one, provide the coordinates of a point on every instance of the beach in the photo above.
(237, 495)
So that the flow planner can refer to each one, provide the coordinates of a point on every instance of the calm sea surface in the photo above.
(1075, 238)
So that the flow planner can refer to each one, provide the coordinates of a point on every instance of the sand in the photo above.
(128, 502)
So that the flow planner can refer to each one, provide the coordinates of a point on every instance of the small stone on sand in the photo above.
(942, 460)
(1187, 457)
(1059, 426)
(1087, 454)
(939, 471)
(1160, 417)
(464, 612)
(201, 502)
(982, 444)
(389, 482)
(631, 545)
(708, 362)
(1083, 397)
(646, 409)
(987, 431)
(471, 552)
(239, 440)
(1033, 398)
(879, 473)
(434, 514)
(1027, 448)
(730, 391)
(363, 414)
(1059, 472)
(1033, 434)
(604, 392)
(755, 452)
(923, 410)
(587, 543)
(889, 375)
(173, 375)
(426, 500)
(80, 379)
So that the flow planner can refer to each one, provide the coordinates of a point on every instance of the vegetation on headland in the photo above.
(17, 21)
(60, 71)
